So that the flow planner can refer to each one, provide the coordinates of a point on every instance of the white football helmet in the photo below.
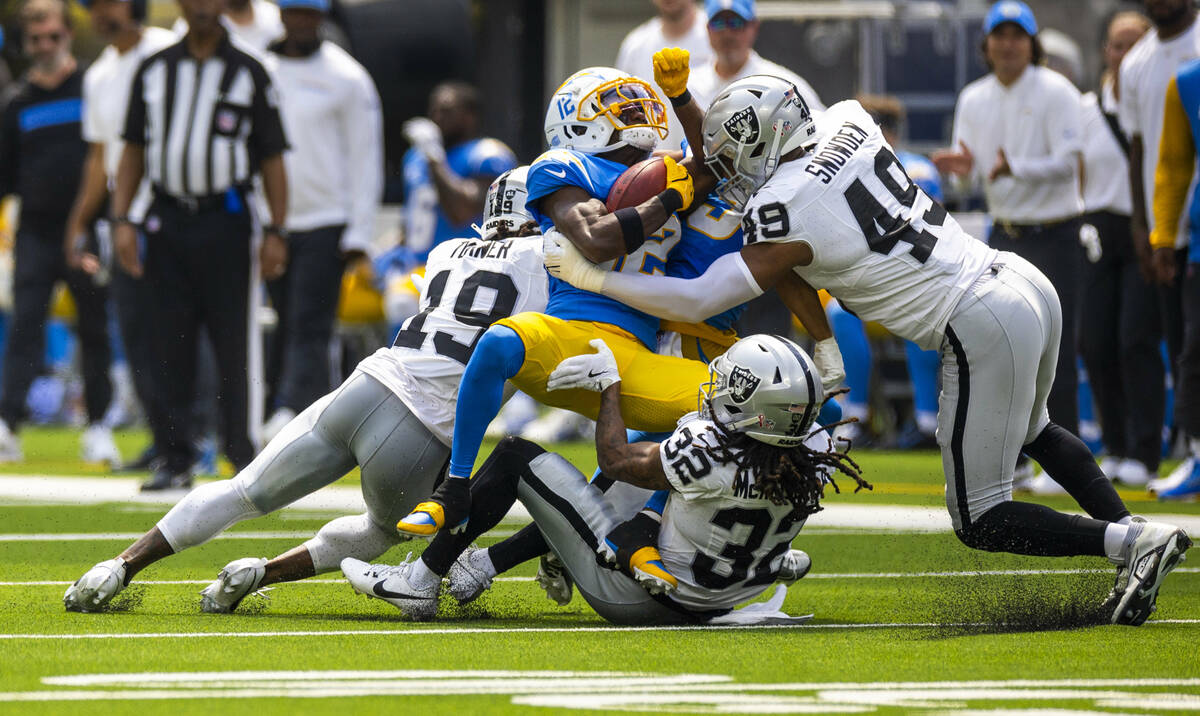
(765, 386)
(748, 127)
(596, 102)
(505, 204)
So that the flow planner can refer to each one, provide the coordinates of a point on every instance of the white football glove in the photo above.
(1089, 239)
(564, 261)
(590, 371)
(828, 359)
(425, 137)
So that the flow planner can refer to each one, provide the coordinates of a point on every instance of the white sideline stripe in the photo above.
(847, 575)
(511, 630)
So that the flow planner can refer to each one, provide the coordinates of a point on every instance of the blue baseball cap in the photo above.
(318, 5)
(742, 8)
(1013, 11)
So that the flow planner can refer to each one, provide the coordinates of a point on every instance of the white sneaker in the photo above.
(1155, 550)
(236, 581)
(466, 581)
(96, 587)
(1043, 484)
(277, 422)
(1177, 476)
(1023, 477)
(1134, 473)
(795, 565)
(392, 586)
(1109, 466)
(553, 578)
(10, 445)
(96, 445)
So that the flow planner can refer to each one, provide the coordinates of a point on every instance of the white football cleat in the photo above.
(276, 423)
(553, 578)
(236, 581)
(1134, 473)
(392, 586)
(1155, 550)
(96, 445)
(96, 587)
(1110, 465)
(1177, 476)
(795, 564)
(1043, 484)
(10, 445)
(466, 581)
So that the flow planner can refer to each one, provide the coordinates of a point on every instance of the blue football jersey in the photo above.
(425, 224)
(712, 230)
(560, 168)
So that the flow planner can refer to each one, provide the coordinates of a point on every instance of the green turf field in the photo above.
(903, 622)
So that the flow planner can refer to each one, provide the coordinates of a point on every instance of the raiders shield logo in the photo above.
(743, 126)
(742, 384)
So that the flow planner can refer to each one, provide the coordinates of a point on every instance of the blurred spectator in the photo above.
(1145, 72)
(41, 158)
(446, 175)
(332, 118)
(1175, 173)
(679, 23)
(1120, 331)
(732, 30)
(199, 256)
(923, 366)
(1018, 131)
(105, 98)
(255, 22)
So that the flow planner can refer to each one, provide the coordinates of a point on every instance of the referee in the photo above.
(202, 119)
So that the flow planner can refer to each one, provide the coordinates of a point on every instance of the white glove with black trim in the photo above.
(828, 359)
(590, 371)
(564, 262)
(425, 137)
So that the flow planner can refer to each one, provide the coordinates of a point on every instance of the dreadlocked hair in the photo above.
(793, 475)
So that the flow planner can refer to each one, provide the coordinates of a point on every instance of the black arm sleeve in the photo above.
(135, 114)
(266, 134)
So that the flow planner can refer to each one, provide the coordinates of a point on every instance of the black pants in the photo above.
(1054, 249)
(198, 267)
(305, 299)
(1119, 336)
(38, 262)
(1187, 383)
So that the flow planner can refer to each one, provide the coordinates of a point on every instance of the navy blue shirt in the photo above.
(42, 148)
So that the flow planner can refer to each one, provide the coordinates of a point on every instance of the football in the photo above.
(638, 183)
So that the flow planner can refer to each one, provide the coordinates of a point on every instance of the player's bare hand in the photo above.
(590, 371)
(671, 70)
(565, 262)
(680, 180)
(273, 256)
(958, 162)
(1163, 264)
(1001, 168)
(125, 244)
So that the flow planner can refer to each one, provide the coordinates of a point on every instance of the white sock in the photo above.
(1194, 444)
(1114, 541)
(482, 560)
(420, 577)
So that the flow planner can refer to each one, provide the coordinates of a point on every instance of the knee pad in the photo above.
(353, 536)
(204, 513)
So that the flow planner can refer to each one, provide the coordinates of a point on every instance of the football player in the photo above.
(392, 418)
(827, 199)
(743, 475)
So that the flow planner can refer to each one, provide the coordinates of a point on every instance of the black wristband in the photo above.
(680, 100)
(632, 230)
(671, 199)
(275, 229)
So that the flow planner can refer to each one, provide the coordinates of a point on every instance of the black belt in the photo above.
(197, 204)
(1014, 229)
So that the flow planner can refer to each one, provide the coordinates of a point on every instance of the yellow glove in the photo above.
(671, 70)
(680, 180)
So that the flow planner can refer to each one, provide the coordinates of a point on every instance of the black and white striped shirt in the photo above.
(205, 124)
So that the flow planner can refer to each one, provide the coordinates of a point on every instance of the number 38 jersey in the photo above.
(719, 537)
(470, 284)
(880, 244)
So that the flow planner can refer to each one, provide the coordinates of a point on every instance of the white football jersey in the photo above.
(469, 285)
(720, 539)
(880, 244)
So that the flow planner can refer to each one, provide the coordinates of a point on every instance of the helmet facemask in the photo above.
(632, 107)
